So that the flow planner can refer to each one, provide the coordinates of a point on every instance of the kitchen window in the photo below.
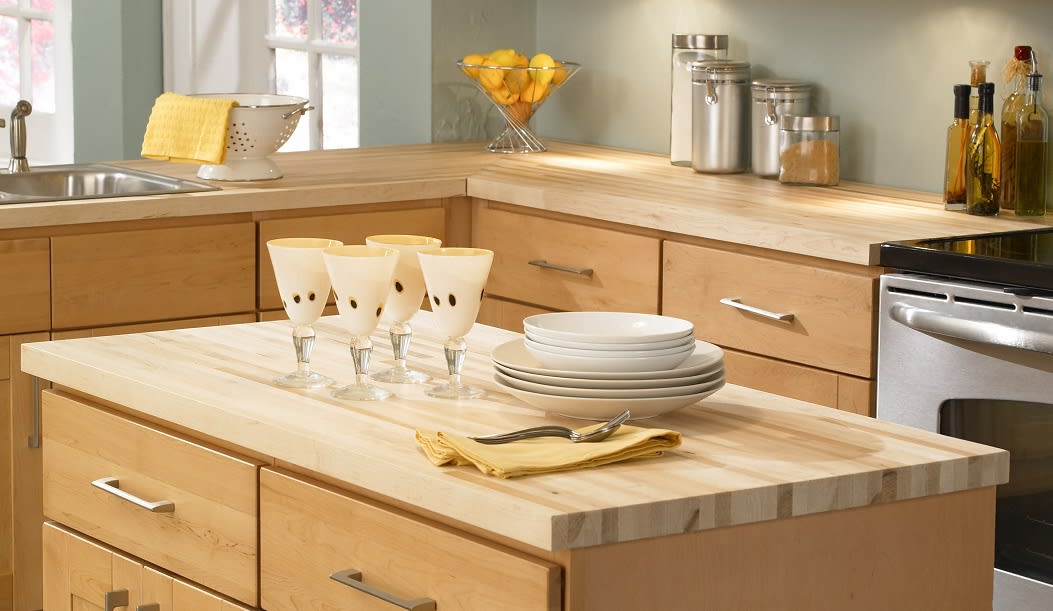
(36, 65)
(315, 56)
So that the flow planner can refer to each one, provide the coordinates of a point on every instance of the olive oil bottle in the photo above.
(1031, 145)
(983, 166)
(957, 147)
(1016, 71)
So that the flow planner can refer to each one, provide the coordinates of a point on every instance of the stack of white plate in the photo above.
(596, 364)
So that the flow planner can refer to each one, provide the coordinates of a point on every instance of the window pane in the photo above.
(8, 2)
(43, 38)
(340, 101)
(340, 21)
(9, 72)
(44, 5)
(290, 71)
(290, 18)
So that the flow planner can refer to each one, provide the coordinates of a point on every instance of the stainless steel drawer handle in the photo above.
(116, 598)
(113, 486)
(581, 271)
(353, 579)
(149, 607)
(736, 303)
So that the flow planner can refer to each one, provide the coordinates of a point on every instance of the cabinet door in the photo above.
(309, 532)
(564, 265)
(349, 228)
(153, 274)
(25, 285)
(80, 574)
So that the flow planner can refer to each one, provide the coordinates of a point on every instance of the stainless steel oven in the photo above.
(975, 360)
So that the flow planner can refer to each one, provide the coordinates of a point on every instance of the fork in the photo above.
(597, 434)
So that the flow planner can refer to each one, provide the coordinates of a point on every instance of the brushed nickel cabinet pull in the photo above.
(149, 607)
(735, 302)
(114, 599)
(353, 579)
(113, 486)
(581, 271)
(34, 439)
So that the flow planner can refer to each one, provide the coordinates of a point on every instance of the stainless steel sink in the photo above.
(87, 181)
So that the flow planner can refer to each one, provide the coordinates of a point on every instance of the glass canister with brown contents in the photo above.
(809, 150)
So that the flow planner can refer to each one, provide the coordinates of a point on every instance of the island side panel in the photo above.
(932, 553)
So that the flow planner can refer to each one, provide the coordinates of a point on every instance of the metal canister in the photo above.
(688, 48)
(720, 141)
(773, 98)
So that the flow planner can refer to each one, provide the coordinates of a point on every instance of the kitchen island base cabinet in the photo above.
(82, 574)
(309, 531)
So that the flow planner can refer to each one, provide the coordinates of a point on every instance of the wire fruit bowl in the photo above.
(518, 92)
(259, 125)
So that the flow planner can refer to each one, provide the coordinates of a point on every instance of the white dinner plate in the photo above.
(587, 345)
(716, 369)
(513, 355)
(604, 409)
(607, 327)
(687, 346)
(608, 393)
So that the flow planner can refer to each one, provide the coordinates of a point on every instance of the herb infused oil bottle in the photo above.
(1031, 144)
(983, 165)
(957, 147)
(1016, 71)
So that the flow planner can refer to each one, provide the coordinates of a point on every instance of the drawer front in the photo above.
(25, 285)
(209, 536)
(309, 532)
(153, 274)
(622, 268)
(832, 326)
(350, 228)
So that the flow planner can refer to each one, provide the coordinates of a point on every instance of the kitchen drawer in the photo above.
(25, 285)
(820, 386)
(152, 274)
(624, 267)
(350, 228)
(833, 309)
(504, 314)
(210, 536)
(310, 531)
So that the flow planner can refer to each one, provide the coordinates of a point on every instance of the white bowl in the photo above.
(604, 409)
(608, 393)
(640, 362)
(587, 345)
(513, 355)
(607, 327)
(608, 354)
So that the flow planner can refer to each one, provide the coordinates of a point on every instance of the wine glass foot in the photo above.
(361, 392)
(396, 375)
(298, 379)
(458, 391)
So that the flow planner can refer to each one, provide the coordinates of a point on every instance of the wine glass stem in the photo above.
(455, 351)
(400, 335)
(303, 342)
(361, 349)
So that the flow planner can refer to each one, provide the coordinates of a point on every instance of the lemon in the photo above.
(475, 59)
(534, 92)
(545, 62)
(502, 95)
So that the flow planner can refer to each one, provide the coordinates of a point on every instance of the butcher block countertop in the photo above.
(746, 457)
(631, 188)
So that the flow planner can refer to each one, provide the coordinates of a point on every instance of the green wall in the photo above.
(117, 74)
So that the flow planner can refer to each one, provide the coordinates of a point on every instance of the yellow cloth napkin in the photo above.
(187, 129)
(545, 454)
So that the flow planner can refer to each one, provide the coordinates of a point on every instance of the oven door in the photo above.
(974, 362)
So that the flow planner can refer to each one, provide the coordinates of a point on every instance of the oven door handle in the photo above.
(971, 330)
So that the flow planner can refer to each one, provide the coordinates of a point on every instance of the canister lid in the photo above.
(781, 85)
(720, 70)
(810, 123)
(700, 41)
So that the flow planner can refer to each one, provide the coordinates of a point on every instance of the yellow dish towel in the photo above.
(187, 129)
(545, 454)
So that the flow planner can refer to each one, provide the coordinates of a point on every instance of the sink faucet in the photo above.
(19, 163)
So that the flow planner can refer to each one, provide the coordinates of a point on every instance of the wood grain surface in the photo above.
(747, 456)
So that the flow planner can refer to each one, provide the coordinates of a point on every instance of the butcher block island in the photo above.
(253, 496)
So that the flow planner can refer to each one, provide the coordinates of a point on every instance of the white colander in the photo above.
(259, 125)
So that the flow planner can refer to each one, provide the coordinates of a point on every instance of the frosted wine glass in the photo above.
(404, 299)
(303, 285)
(361, 276)
(455, 278)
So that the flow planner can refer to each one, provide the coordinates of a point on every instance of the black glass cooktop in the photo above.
(1017, 260)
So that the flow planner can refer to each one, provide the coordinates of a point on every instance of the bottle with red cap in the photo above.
(1016, 71)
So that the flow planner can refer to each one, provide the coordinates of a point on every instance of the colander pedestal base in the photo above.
(241, 169)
